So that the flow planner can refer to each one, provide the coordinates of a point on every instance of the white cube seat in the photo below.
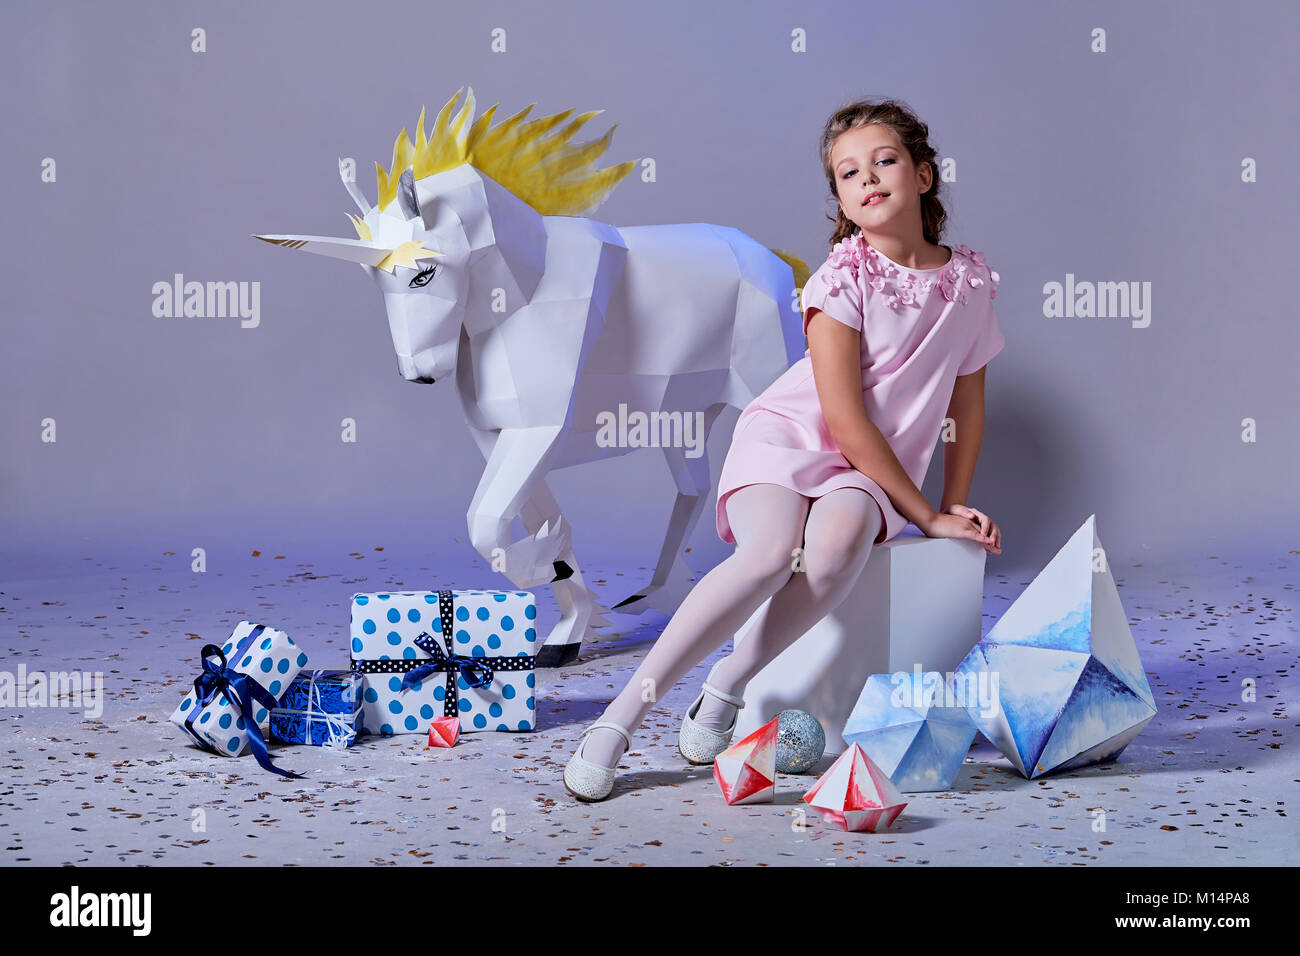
(919, 601)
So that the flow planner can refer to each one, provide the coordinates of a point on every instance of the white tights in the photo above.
(836, 533)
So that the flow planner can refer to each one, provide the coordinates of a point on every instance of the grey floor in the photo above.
(1206, 783)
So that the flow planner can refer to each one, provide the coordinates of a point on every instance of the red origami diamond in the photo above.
(444, 732)
(746, 771)
(855, 794)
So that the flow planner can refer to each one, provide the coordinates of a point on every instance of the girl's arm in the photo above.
(966, 409)
(836, 351)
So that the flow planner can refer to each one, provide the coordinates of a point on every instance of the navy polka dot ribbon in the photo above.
(476, 671)
(241, 690)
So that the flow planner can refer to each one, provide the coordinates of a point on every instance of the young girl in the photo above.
(825, 463)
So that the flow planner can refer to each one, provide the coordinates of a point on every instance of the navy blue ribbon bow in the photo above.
(242, 691)
(474, 670)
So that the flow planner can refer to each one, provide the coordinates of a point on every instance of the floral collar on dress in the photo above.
(966, 268)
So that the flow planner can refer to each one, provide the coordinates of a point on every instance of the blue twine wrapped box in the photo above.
(321, 708)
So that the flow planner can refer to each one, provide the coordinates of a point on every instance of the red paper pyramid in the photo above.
(855, 794)
(444, 731)
(746, 771)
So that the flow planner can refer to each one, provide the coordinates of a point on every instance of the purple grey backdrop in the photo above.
(1117, 166)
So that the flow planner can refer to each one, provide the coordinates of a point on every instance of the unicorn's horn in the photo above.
(365, 251)
(354, 250)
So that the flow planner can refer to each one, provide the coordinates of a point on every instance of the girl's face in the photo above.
(879, 187)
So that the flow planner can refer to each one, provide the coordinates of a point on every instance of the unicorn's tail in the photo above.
(801, 275)
(801, 270)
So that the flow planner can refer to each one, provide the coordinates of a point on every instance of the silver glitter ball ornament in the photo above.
(800, 741)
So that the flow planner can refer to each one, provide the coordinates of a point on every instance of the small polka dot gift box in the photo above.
(462, 653)
(250, 672)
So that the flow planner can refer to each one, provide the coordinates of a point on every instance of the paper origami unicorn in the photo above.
(549, 322)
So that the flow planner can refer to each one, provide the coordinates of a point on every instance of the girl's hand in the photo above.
(986, 525)
(962, 522)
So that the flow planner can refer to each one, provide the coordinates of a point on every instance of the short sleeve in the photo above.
(834, 290)
(988, 340)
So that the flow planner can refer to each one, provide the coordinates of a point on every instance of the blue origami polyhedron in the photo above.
(913, 727)
(1063, 667)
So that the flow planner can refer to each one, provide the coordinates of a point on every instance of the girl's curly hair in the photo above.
(915, 137)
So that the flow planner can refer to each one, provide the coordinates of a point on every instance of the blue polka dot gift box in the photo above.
(448, 653)
(245, 676)
(321, 708)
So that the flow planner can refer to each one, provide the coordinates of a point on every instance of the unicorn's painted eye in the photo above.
(423, 278)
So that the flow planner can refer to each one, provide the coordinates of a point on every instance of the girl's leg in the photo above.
(768, 522)
(842, 527)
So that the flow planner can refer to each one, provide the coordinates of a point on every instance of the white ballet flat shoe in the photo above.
(697, 743)
(591, 781)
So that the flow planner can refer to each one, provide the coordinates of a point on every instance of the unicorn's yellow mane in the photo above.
(554, 176)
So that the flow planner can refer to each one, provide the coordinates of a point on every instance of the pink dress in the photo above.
(923, 328)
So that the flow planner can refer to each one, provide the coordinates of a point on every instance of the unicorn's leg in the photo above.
(671, 578)
(517, 462)
(517, 459)
(842, 526)
(767, 521)
(579, 610)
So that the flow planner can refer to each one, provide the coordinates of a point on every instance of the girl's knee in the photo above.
(838, 558)
(769, 562)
